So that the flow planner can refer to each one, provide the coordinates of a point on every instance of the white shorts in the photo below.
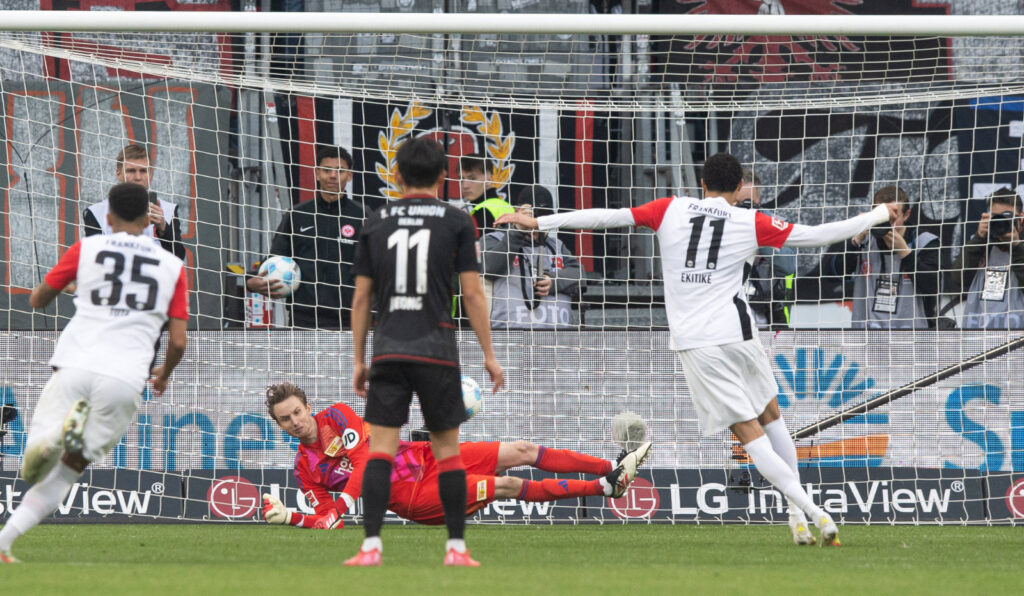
(729, 383)
(113, 404)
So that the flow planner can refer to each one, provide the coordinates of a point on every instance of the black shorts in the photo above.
(438, 387)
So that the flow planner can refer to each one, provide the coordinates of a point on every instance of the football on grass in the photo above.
(472, 397)
(282, 269)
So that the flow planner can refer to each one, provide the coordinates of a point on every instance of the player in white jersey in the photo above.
(128, 290)
(705, 246)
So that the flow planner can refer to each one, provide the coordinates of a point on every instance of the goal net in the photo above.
(603, 111)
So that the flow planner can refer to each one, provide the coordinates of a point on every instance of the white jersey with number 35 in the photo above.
(127, 288)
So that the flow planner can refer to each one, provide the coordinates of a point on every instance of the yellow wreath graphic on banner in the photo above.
(498, 148)
(401, 126)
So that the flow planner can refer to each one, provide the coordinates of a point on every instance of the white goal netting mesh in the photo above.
(232, 122)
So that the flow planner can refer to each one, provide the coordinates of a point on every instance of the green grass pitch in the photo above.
(536, 560)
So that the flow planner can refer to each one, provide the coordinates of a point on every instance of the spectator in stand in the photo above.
(770, 285)
(321, 236)
(133, 165)
(895, 271)
(534, 275)
(989, 273)
(484, 203)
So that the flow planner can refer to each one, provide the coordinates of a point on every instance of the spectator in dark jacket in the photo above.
(133, 165)
(321, 236)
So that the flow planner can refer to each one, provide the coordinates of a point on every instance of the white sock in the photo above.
(775, 469)
(372, 542)
(457, 543)
(783, 445)
(605, 486)
(40, 500)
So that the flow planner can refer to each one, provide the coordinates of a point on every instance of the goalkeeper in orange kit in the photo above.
(333, 447)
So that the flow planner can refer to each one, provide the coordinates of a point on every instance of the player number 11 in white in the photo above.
(403, 242)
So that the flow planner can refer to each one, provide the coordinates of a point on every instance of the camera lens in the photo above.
(1000, 224)
(880, 231)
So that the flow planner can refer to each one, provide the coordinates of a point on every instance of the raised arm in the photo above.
(822, 235)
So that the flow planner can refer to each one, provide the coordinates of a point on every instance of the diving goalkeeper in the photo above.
(333, 447)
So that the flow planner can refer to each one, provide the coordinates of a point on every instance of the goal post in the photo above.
(571, 111)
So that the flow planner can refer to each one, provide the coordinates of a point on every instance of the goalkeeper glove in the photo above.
(274, 511)
(329, 521)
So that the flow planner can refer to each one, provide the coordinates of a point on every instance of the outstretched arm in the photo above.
(822, 235)
(584, 219)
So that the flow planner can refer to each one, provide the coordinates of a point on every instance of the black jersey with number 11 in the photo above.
(413, 248)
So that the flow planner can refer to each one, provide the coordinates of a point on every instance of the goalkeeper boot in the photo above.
(802, 535)
(74, 427)
(456, 559)
(622, 476)
(7, 557)
(39, 460)
(829, 531)
(364, 558)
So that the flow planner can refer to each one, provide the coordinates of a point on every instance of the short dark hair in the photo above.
(722, 173)
(331, 152)
(1006, 196)
(282, 391)
(128, 201)
(421, 162)
(474, 162)
(891, 194)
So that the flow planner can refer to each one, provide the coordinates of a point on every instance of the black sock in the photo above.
(452, 486)
(376, 492)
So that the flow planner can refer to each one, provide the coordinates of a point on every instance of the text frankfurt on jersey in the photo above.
(709, 210)
(696, 278)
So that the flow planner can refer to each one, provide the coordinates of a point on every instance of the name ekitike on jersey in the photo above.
(696, 278)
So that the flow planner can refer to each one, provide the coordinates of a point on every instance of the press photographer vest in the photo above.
(512, 302)
(882, 275)
(1005, 311)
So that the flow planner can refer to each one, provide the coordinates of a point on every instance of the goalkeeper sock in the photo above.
(778, 472)
(564, 460)
(783, 445)
(376, 491)
(40, 500)
(551, 489)
(451, 483)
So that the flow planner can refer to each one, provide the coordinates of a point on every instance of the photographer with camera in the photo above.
(989, 273)
(895, 271)
(534, 274)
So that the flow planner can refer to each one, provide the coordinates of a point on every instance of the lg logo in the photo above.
(640, 501)
(232, 497)
(1015, 498)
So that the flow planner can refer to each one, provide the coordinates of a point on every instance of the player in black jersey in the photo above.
(408, 255)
